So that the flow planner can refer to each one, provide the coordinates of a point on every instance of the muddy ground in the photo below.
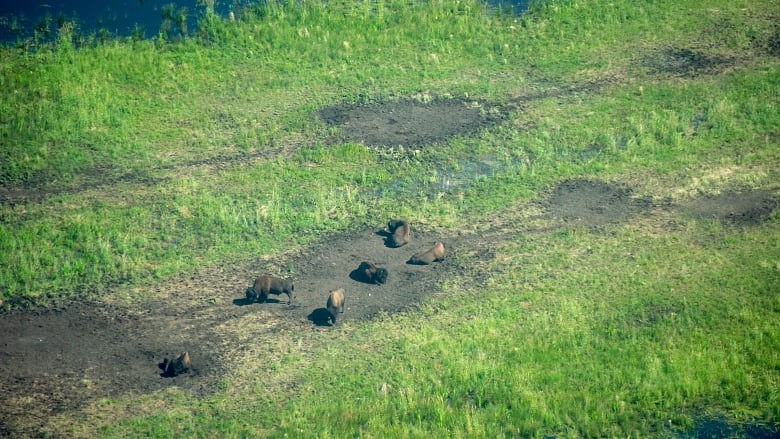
(55, 361)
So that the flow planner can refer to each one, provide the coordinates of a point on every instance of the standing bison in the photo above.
(265, 285)
(335, 304)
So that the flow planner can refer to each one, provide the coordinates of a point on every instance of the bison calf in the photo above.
(335, 304)
(400, 233)
(372, 274)
(265, 285)
(436, 253)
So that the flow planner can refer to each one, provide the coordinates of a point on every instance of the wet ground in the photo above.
(56, 360)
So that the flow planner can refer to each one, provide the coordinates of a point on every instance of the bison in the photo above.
(178, 365)
(436, 253)
(400, 233)
(335, 304)
(372, 274)
(265, 285)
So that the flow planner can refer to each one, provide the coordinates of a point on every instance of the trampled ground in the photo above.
(58, 360)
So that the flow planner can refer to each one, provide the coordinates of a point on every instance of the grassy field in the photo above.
(134, 161)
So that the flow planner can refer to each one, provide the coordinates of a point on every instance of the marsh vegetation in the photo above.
(603, 175)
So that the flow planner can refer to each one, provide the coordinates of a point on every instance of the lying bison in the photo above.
(436, 253)
(177, 366)
(335, 304)
(265, 285)
(400, 233)
(372, 274)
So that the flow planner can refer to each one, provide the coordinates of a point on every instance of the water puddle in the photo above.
(719, 427)
(454, 178)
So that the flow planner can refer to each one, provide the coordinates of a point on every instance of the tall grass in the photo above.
(630, 333)
(119, 109)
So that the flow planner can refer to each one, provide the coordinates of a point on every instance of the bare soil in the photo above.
(738, 208)
(411, 123)
(55, 361)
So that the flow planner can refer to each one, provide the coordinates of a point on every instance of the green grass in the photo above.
(574, 334)
(584, 335)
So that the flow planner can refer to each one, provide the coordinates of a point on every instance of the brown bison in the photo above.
(335, 304)
(436, 253)
(176, 366)
(400, 233)
(265, 285)
(372, 274)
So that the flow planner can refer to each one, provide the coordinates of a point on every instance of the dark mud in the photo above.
(57, 361)
(410, 123)
(686, 63)
(747, 208)
(594, 204)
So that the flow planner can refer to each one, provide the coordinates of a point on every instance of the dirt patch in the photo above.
(686, 63)
(772, 45)
(410, 123)
(749, 208)
(594, 204)
(58, 360)
(55, 361)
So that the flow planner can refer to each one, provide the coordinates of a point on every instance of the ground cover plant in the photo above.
(603, 175)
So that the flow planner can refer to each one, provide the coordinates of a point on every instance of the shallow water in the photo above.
(19, 19)
(719, 427)
(453, 178)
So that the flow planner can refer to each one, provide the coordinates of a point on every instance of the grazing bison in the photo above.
(265, 285)
(400, 233)
(436, 253)
(178, 365)
(335, 304)
(372, 274)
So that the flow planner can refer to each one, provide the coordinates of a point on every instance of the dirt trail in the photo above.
(56, 360)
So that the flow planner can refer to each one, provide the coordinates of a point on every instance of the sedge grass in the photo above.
(191, 214)
(574, 334)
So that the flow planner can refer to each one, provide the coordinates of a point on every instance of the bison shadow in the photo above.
(320, 317)
(169, 372)
(357, 276)
(166, 372)
(244, 301)
(191, 373)
(432, 264)
(386, 235)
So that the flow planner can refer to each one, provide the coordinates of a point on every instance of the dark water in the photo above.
(25, 19)
(20, 19)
